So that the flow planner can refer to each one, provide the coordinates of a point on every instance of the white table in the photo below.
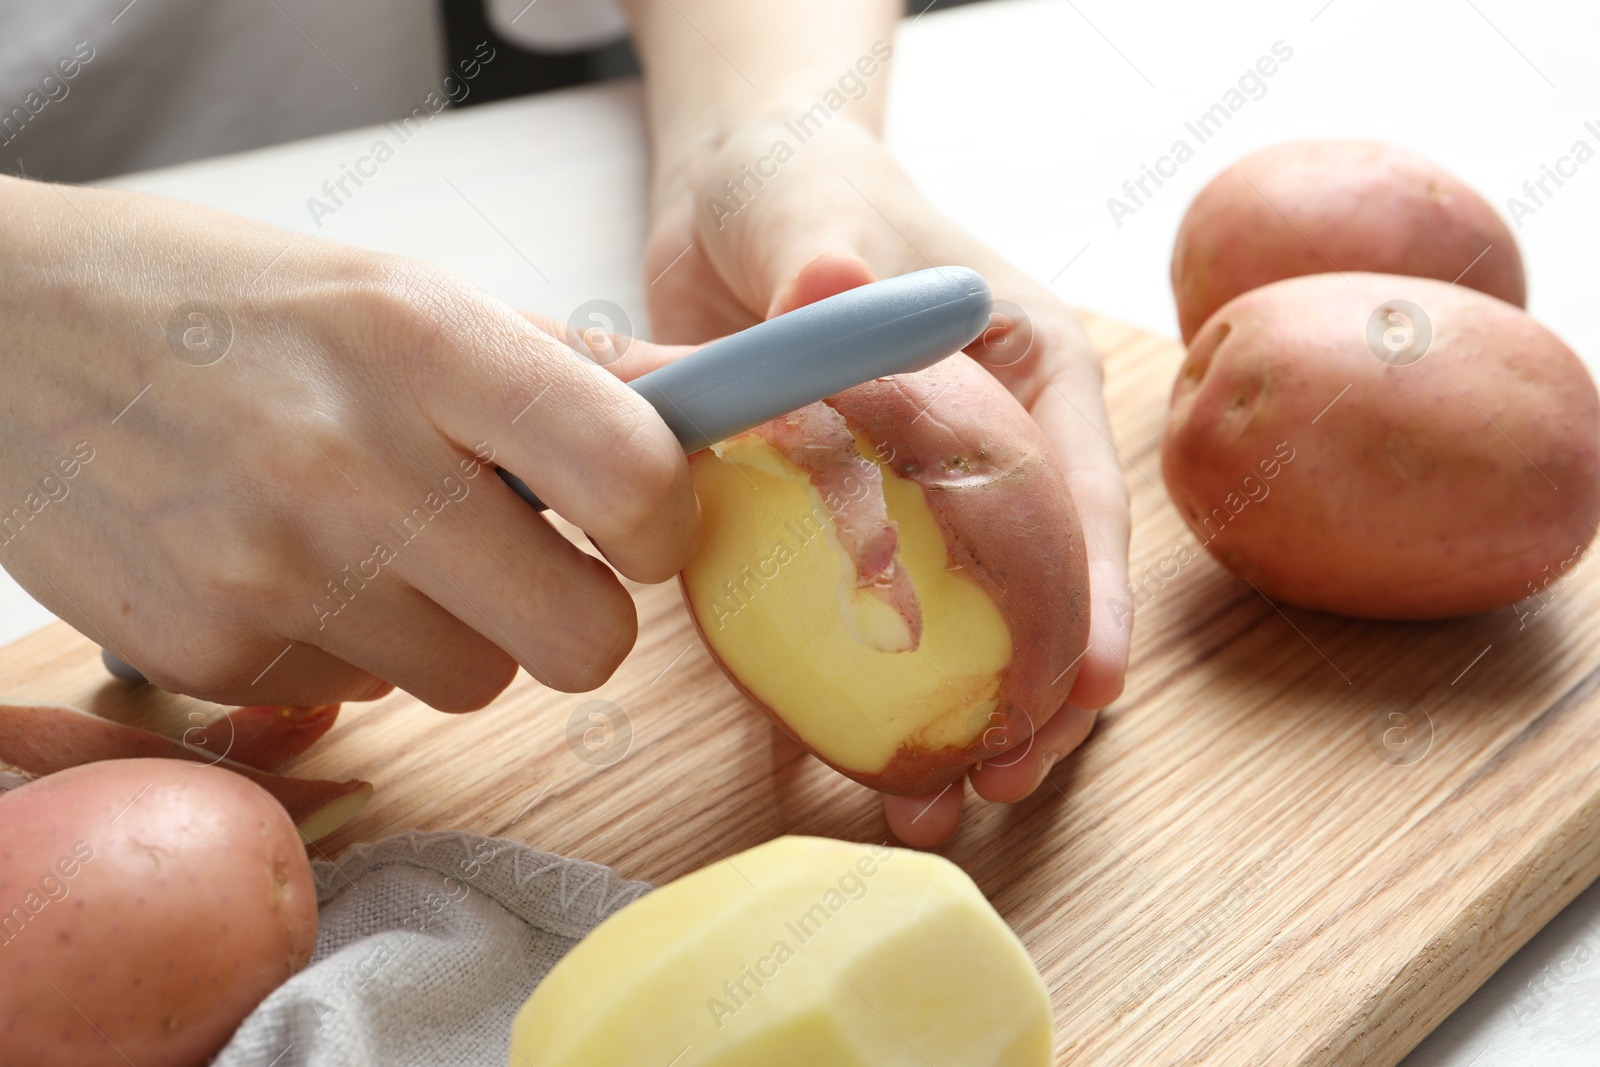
(1021, 118)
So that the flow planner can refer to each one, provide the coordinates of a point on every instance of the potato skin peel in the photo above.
(1008, 521)
(1315, 206)
(264, 736)
(1462, 482)
(43, 739)
(190, 900)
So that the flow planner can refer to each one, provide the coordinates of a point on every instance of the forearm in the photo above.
(714, 65)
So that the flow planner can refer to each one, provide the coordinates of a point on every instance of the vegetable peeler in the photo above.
(895, 326)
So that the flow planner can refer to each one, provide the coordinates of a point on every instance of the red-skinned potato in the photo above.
(42, 739)
(1457, 475)
(1314, 206)
(150, 905)
(896, 575)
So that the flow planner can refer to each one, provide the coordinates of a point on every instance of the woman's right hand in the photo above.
(260, 466)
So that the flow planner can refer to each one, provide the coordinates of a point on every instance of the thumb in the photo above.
(826, 275)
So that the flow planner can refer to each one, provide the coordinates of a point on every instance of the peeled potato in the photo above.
(1315, 454)
(1315, 206)
(798, 953)
(151, 904)
(897, 575)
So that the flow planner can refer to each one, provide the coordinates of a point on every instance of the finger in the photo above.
(626, 357)
(1018, 773)
(591, 448)
(926, 821)
(497, 565)
(394, 632)
(688, 300)
(1071, 411)
(762, 252)
(848, 197)
(823, 276)
(291, 672)
(1104, 668)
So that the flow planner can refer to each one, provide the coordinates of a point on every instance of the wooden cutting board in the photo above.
(1297, 839)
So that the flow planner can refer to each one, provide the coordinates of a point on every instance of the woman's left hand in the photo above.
(730, 238)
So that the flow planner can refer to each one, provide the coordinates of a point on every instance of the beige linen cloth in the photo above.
(428, 944)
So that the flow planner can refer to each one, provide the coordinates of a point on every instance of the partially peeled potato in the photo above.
(896, 575)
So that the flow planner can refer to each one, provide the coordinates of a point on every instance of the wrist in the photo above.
(853, 90)
(721, 157)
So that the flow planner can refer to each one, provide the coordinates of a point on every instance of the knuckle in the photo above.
(312, 472)
(397, 305)
(392, 305)
(1097, 480)
(236, 580)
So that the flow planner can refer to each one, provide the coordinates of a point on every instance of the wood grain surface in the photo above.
(1296, 839)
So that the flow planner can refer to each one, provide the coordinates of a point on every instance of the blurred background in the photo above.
(144, 102)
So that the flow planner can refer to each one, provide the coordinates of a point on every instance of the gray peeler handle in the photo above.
(895, 326)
